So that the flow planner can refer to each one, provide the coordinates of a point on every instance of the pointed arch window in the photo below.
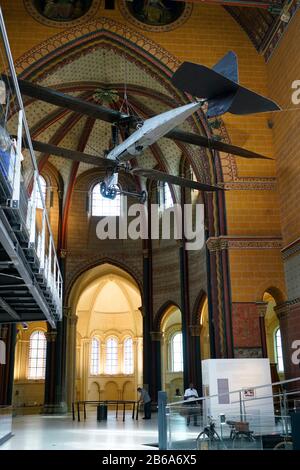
(128, 356)
(43, 184)
(111, 366)
(104, 207)
(176, 353)
(278, 350)
(95, 357)
(37, 356)
(167, 196)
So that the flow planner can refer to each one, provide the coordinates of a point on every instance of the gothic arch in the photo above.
(161, 313)
(95, 263)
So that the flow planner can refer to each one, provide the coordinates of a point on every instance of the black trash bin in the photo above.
(102, 412)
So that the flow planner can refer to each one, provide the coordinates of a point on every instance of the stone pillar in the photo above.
(156, 337)
(55, 402)
(185, 303)
(262, 310)
(8, 333)
(85, 367)
(147, 312)
(71, 357)
(196, 370)
(185, 316)
(219, 303)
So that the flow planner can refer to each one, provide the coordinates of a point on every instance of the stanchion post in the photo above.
(162, 420)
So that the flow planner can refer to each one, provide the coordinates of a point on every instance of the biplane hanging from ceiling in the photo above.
(217, 87)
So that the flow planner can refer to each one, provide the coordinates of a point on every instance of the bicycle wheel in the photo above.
(284, 445)
(202, 441)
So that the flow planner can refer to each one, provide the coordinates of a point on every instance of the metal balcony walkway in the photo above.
(30, 278)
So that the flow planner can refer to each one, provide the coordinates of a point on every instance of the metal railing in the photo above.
(262, 421)
(36, 219)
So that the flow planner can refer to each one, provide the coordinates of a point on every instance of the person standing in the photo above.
(189, 394)
(146, 400)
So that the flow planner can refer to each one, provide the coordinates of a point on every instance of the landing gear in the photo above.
(108, 192)
(143, 197)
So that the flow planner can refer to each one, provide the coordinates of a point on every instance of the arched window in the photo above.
(43, 184)
(95, 357)
(128, 356)
(102, 206)
(278, 350)
(167, 196)
(111, 356)
(176, 353)
(37, 355)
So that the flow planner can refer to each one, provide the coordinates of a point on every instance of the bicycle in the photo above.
(208, 434)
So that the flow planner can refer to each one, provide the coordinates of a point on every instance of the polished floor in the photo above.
(39, 432)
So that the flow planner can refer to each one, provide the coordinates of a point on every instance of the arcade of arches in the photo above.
(147, 312)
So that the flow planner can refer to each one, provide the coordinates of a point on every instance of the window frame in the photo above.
(39, 204)
(91, 205)
(129, 338)
(37, 358)
(172, 363)
(109, 370)
(278, 357)
(92, 358)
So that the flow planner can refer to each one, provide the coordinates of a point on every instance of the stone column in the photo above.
(71, 357)
(85, 367)
(262, 310)
(219, 302)
(8, 333)
(196, 370)
(55, 402)
(156, 337)
(185, 316)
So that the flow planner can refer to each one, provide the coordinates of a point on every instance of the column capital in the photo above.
(282, 310)
(156, 335)
(73, 319)
(195, 330)
(51, 336)
(66, 311)
(262, 308)
(216, 244)
(3, 332)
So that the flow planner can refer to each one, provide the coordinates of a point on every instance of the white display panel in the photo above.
(223, 376)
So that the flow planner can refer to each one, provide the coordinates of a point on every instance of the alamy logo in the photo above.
(2, 352)
(296, 93)
(166, 225)
(296, 354)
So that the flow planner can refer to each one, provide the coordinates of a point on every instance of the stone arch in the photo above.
(276, 293)
(197, 308)
(161, 313)
(98, 262)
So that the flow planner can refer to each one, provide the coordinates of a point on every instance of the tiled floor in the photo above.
(61, 433)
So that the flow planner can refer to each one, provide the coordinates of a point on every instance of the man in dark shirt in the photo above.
(146, 400)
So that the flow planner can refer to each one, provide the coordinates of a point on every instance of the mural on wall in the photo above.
(62, 13)
(155, 15)
(62, 10)
(156, 12)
